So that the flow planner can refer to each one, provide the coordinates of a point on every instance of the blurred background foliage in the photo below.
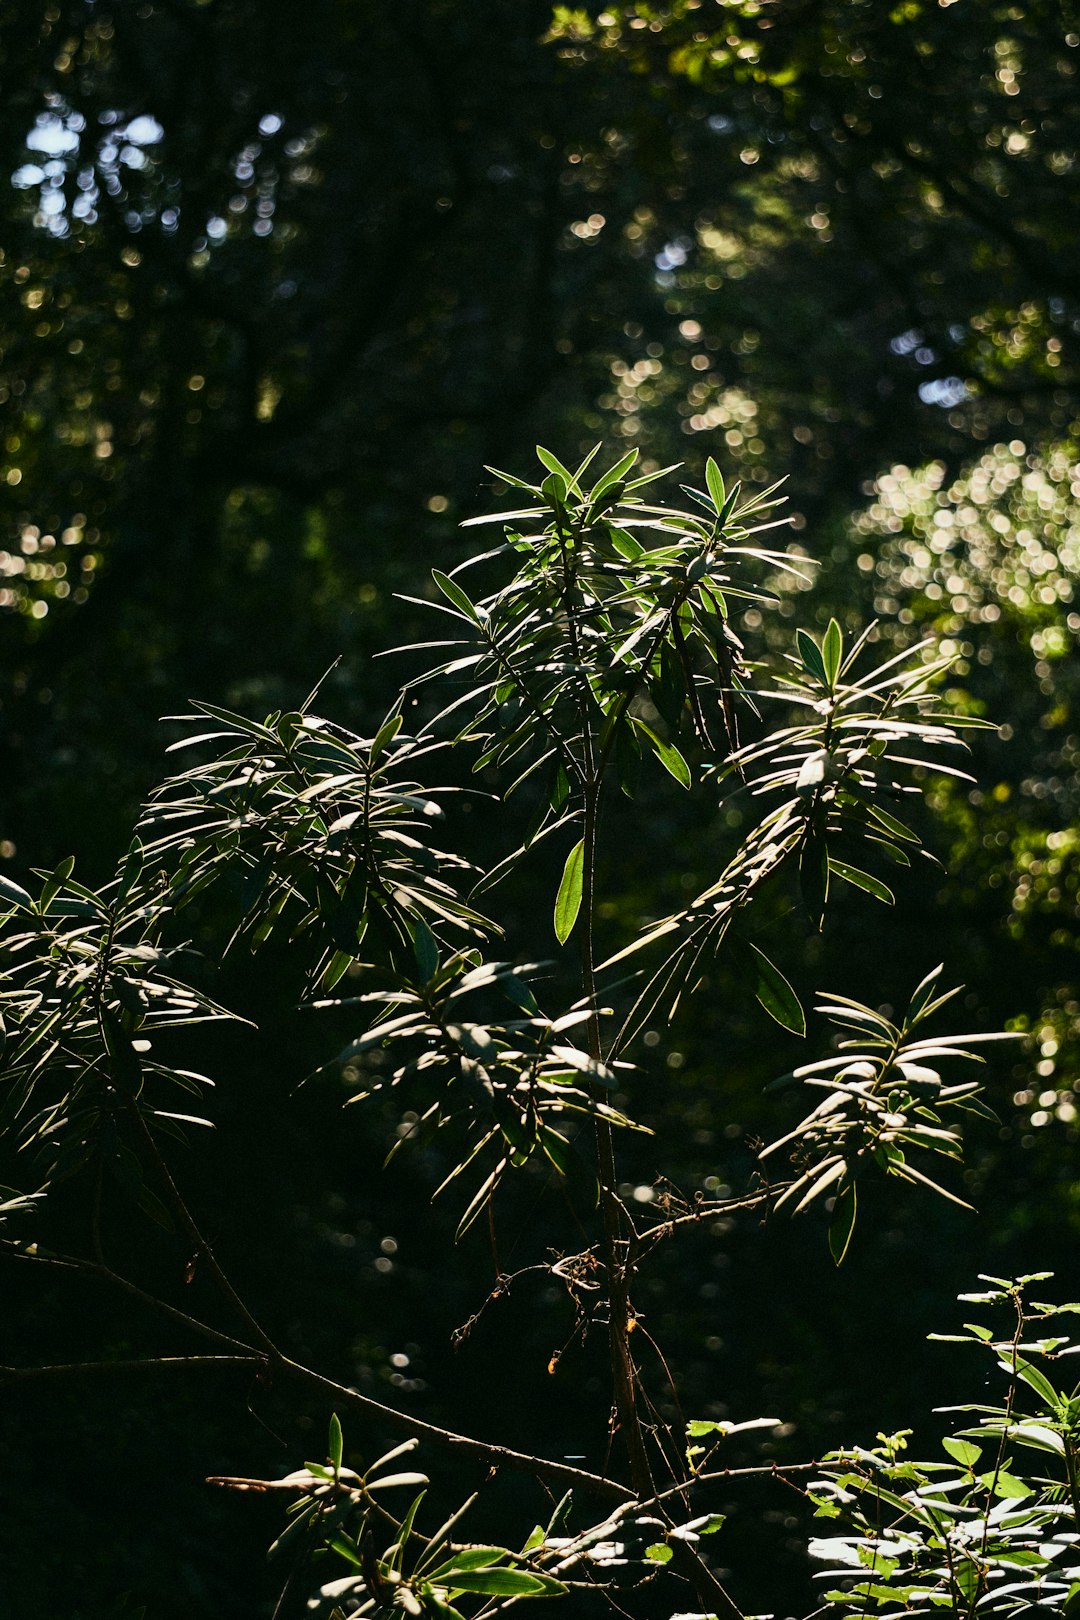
(275, 283)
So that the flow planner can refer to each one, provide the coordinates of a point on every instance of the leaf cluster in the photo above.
(985, 1531)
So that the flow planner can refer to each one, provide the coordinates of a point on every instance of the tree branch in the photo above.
(557, 1473)
(73, 1369)
(187, 1221)
(91, 1268)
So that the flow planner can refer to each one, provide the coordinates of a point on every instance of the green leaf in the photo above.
(1011, 1489)
(560, 1514)
(832, 652)
(455, 594)
(346, 1549)
(52, 885)
(1037, 1436)
(14, 895)
(568, 899)
(151, 1205)
(892, 825)
(586, 463)
(389, 728)
(842, 1225)
(1036, 1380)
(729, 505)
(334, 1444)
(133, 865)
(666, 753)
(814, 865)
(863, 880)
(554, 465)
(503, 1583)
(659, 1553)
(810, 653)
(336, 969)
(965, 1453)
(557, 1149)
(771, 988)
(393, 1481)
(425, 949)
(126, 1068)
(626, 545)
(508, 478)
(714, 479)
(613, 476)
(476, 1558)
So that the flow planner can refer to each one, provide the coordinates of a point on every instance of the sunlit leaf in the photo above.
(863, 880)
(568, 899)
(715, 483)
(334, 1444)
(454, 593)
(842, 1224)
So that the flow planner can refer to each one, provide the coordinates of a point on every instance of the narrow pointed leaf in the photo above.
(386, 734)
(832, 652)
(454, 593)
(503, 1583)
(554, 465)
(814, 876)
(568, 899)
(14, 895)
(864, 881)
(770, 986)
(334, 1446)
(843, 1224)
(714, 479)
(666, 753)
(613, 475)
(810, 653)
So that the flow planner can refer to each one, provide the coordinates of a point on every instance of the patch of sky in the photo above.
(673, 254)
(55, 136)
(55, 139)
(906, 342)
(144, 130)
(944, 391)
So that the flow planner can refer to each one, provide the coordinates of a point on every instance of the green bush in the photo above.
(599, 652)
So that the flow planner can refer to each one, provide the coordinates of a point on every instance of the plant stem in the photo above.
(92, 1268)
(200, 1243)
(271, 1360)
(616, 1250)
(19, 1375)
(557, 1473)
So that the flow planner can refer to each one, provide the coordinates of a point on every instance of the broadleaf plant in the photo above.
(600, 646)
(991, 1528)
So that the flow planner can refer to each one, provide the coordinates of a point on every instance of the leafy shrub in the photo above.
(602, 651)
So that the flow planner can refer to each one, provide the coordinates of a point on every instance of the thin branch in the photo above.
(705, 1212)
(771, 1470)
(200, 1243)
(561, 1474)
(492, 1456)
(91, 1268)
(615, 1217)
(73, 1369)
